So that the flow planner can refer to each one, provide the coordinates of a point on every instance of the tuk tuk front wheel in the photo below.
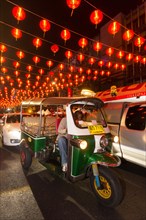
(25, 157)
(110, 193)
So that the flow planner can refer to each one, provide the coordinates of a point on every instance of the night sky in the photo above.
(59, 14)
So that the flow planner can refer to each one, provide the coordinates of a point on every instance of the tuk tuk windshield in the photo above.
(85, 116)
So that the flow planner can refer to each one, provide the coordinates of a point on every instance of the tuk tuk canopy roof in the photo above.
(62, 101)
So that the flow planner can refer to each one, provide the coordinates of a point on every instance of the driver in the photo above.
(62, 140)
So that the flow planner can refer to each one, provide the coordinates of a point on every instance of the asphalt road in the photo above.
(41, 195)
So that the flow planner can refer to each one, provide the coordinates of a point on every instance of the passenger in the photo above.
(78, 117)
(62, 140)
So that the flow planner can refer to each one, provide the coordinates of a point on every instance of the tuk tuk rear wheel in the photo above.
(25, 157)
(110, 193)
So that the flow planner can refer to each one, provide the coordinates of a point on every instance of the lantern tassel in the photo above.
(71, 13)
(44, 34)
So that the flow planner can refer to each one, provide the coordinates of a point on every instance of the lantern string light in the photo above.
(53, 59)
(65, 63)
(63, 47)
(62, 27)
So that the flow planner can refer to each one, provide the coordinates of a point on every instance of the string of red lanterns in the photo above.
(139, 46)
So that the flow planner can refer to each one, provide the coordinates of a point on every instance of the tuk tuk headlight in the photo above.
(104, 142)
(82, 144)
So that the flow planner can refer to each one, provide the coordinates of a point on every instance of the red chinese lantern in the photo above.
(137, 58)
(116, 66)
(51, 73)
(143, 60)
(96, 17)
(128, 35)
(109, 64)
(49, 63)
(37, 42)
(129, 56)
(120, 54)
(95, 72)
(3, 48)
(8, 78)
(54, 48)
(38, 77)
(109, 51)
(20, 54)
(16, 33)
(71, 68)
(45, 25)
(102, 72)
(94, 78)
(16, 73)
(60, 75)
(69, 75)
(36, 59)
(97, 46)
(101, 63)
(11, 82)
(47, 79)
(80, 57)
(16, 64)
(73, 4)
(29, 68)
(37, 84)
(139, 41)
(123, 67)
(108, 73)
(80, 70)
(83, 42)
(2, 60)
(18, 13)
(114, 27)
(65, 35)
(88, 71)
(27, 75)
(91, 60)
(41, 71)
(68, 54)
(4, 70)
(61, 66)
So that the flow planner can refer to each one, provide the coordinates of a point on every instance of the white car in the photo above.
(11, 133)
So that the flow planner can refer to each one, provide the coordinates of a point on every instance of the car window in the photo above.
(136, 118)
(13, 119)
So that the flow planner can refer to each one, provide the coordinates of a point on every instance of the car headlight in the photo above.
(104, 142)
(116, 139)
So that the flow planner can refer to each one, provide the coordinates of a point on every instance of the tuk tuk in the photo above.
(89, 143)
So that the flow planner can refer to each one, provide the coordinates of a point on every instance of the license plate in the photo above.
(96, 129)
